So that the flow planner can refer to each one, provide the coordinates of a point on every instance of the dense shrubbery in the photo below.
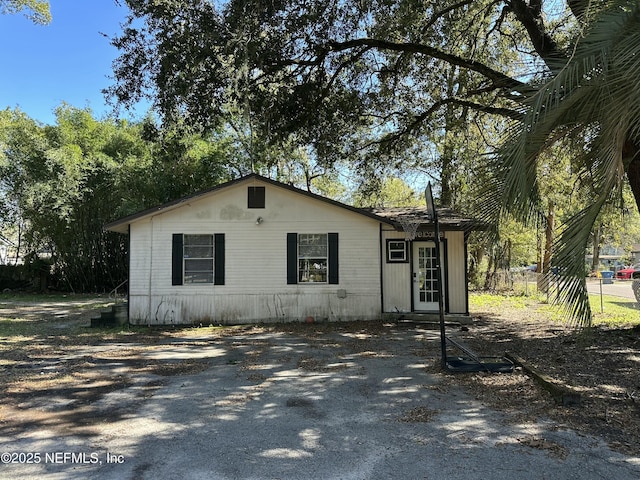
(62, 183)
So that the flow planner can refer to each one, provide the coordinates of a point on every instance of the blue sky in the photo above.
(68, 60)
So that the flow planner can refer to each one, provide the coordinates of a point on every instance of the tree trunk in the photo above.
(488, 275)
(447, 168)
(545, 261)
(475, 259)
(596, 248)
(630, 152)
(548, 236)
(17, 257)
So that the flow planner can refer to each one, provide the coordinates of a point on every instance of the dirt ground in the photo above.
(601, 364)
(46, 371)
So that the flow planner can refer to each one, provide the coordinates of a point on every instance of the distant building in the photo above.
(610, 258)
(5, 246)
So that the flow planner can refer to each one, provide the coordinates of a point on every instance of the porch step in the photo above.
(117, 316)
(426, 320)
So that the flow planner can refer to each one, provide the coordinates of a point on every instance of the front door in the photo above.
(425, 278)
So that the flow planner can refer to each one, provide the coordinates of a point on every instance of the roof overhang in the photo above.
(448, 219)
(122, 225)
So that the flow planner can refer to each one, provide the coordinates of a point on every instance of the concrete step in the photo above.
(416, 318)
(118, 315)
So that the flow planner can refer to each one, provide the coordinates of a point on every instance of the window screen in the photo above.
(198, 259)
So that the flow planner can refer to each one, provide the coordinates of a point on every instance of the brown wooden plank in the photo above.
(562, 393)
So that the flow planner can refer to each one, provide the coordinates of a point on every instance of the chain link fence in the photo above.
(524, 282)
(529, 283)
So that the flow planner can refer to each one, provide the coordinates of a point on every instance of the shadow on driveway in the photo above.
(327, 402)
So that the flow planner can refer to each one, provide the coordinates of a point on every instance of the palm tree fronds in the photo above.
(594, 96)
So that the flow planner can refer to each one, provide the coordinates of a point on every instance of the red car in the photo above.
(625, 273)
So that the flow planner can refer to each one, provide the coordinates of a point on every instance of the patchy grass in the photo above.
(36, 331)
(492, 302)
(615, 311)
(27, 317)
(39, 298)
(53, 366)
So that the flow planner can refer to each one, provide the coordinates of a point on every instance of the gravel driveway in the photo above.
(309, 403)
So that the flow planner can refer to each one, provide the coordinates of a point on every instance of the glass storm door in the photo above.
(425, 279)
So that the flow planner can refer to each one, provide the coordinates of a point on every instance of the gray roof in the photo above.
(447, 218)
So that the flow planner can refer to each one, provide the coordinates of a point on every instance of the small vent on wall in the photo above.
(256, 197)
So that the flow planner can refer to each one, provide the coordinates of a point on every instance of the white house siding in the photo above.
(397, 276)
(255, 286)
(456, 272)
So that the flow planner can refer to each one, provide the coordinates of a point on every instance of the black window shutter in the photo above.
(218, 259)
(177, 255)
(292, 258)
(333, 258)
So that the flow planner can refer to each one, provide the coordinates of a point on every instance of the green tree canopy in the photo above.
(35, 10)
(374, 82)
(62, 183)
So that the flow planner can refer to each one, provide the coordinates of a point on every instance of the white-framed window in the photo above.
(397, 251)
(198, 258)
(313, 257)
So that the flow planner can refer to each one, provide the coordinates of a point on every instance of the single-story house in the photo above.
(257, 250)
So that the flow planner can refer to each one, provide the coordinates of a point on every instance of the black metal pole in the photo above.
(443, 337)
(431, 211)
